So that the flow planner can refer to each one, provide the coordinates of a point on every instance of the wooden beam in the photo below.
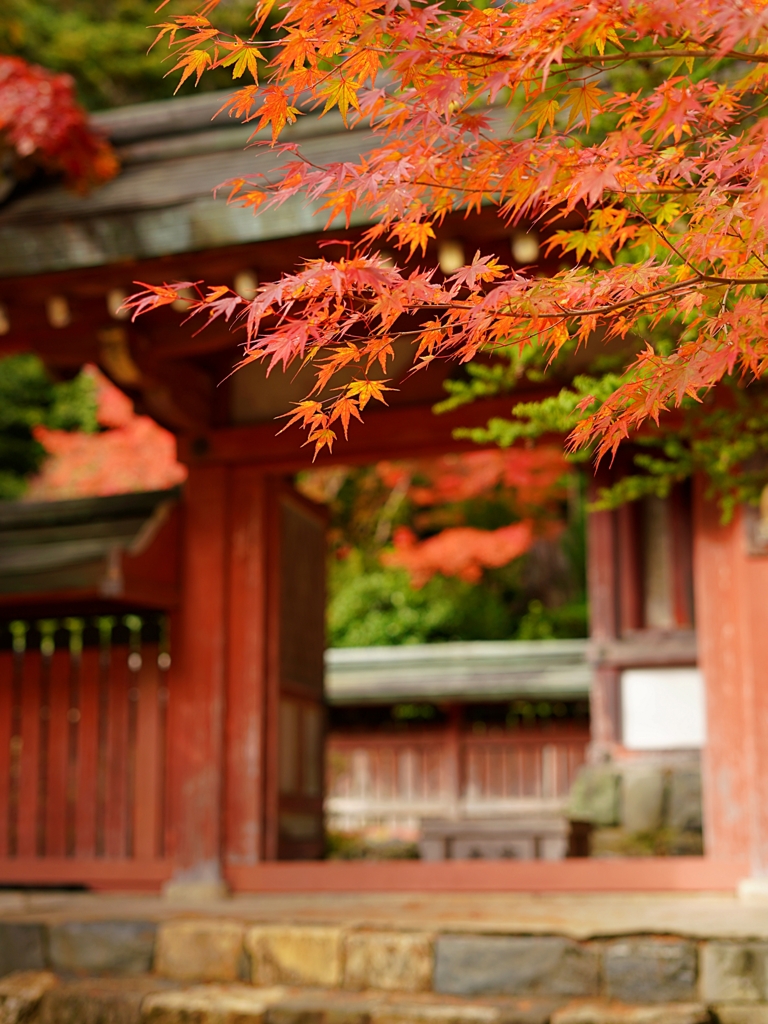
(394, 433)
(628, 874)
(645, 649)
(95, 873)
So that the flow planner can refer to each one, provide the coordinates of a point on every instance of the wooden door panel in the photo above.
(299, 661)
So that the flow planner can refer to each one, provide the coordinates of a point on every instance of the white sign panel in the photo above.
(663, 709)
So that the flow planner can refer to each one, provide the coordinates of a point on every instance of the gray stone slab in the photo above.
(22, 947)
(504, 965)
(651, 971)
(102, 947)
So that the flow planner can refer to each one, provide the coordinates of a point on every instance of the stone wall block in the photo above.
(298, 1011)
(295, 955)
(21, 994)
(22, 947)
(511, 965)
(651, 970)
(600, 1012)
(97, 1001)
(200, 950)
(741, 1013)
(436, 1014)
(394, 961)
(102, 947)
(734, 972)
(207, 1004)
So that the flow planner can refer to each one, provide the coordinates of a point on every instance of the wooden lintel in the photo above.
(646, 649)
(394, 433)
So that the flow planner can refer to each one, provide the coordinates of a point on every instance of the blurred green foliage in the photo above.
(379, 606)
(540, 595)
(28, 399)
(371, 606)
(103, 44)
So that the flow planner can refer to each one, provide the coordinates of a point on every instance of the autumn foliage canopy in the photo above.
(535, 477)
(42, 124)
(630, 133)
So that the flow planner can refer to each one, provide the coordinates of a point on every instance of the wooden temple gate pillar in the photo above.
(731, 577)
(246, 711)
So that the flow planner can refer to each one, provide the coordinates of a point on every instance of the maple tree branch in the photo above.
(625, 303)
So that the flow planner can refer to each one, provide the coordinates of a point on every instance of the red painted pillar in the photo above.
(246, 669)
(732, 628)
(197, 682)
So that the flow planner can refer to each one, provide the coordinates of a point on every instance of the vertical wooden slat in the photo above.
(131, 736)
(6, 734)
(115, 811)
(55, 841)
(163, 699)
(682, 551)
(148, 758)
(87, 763)
(29, 759)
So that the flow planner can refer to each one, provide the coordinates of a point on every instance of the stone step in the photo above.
(627, 969)
(44, 998)
(362, 974)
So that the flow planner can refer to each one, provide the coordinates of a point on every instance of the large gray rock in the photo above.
(504, 965)
(22, 947)
(642, 798)
(651, 971)
(594, 796)
(102, 947)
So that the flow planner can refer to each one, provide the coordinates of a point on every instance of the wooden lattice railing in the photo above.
(395, 779)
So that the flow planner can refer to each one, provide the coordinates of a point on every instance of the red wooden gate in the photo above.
(82, 751)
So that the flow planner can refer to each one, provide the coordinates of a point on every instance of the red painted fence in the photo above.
(82, 754)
